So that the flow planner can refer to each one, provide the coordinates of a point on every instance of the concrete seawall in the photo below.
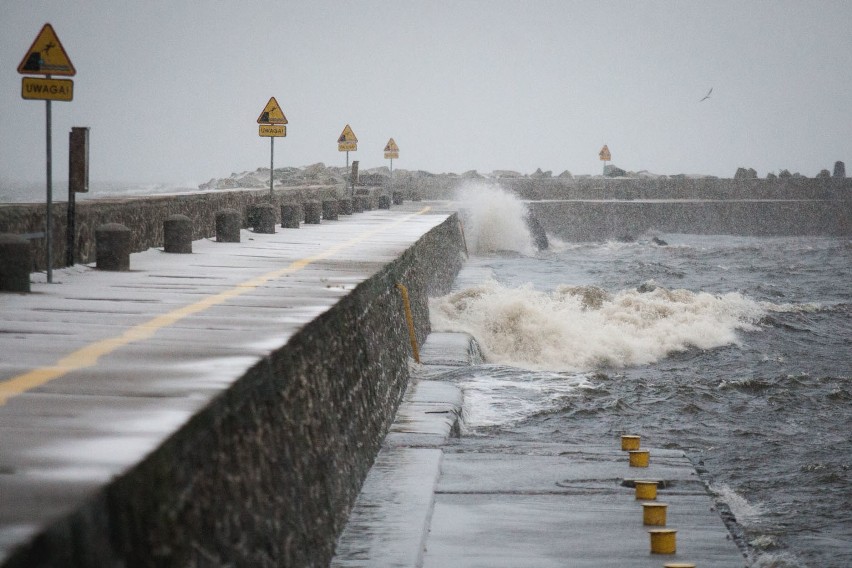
(144, 216)
(590, 208)
(605, 208)
(602, 220)
(266, 472)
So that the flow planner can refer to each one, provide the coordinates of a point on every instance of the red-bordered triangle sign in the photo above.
(272, 113)
(46, 56)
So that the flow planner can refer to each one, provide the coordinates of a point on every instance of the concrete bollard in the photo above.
(177, 234)
(291, 215)
(112, 247)
(16, 260)
(384, 201)
(329, 209)
(313, 212)
(358, 204)
(344, 206)
(228, 226)
(397, 198)
(654, 514)
(264, 220)
(639, 458)
(645, 490)
(663, 541)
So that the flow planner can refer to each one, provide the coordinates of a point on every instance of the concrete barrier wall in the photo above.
(600, 208)
(267, 473)
(144, 216)
(603, 220)
(826, 213)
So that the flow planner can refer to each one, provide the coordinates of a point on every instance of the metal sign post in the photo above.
(48, 232)
(272, 121)
(47, 57)
(391, 152)
(345, 142)
(78, 182)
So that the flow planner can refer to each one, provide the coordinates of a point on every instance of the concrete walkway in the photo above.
(99, 368)
(435, 499)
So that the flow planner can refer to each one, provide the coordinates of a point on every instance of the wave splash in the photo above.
(494, 220)
(582, 328)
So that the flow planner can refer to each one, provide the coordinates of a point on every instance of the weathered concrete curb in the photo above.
(390, 521)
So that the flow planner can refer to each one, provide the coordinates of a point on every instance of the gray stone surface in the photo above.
(217, 430)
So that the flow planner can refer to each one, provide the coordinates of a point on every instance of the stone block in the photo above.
(16, 260)
(112, 247)
(177, 234)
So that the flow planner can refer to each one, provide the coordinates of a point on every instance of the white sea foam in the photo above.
(746, 513)
(495, 396)
(493, 220)
(578, 328)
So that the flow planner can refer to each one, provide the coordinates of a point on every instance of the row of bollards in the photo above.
(663, 541)
(113, 240)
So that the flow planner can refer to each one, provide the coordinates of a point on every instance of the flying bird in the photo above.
(707, 96)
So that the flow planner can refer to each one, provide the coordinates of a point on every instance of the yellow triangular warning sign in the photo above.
(347, 135)
(391, 146)
(46, 56)
(604, 154)
(272, 113)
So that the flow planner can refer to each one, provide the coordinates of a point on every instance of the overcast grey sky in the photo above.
(172, 89)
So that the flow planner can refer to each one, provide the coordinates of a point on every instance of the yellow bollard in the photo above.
(639, 458)
(679, 565)
(646, 490)
(663, 541)
(412, 336)
(654, 514)
(630, 443)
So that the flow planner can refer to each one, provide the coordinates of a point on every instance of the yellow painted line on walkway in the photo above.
(90, 354)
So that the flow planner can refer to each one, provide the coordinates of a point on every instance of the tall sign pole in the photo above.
(47, 57)
(391, 152)
(272, 124)
(346, 142)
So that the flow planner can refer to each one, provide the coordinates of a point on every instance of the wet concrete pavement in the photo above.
(438, 499)
(99, 368)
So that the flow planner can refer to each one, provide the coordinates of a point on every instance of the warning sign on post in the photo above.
(391, 150)
(604, 154)
(347, 142)
(46, 56)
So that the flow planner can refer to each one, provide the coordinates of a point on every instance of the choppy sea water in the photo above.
(737, 350)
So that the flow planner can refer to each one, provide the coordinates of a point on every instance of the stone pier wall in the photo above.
(144, 217)
(603, 208)
(782, 206)
(266, 475)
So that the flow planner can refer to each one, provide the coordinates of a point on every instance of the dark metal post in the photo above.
(48, 233)
(271, 156)
(70, 227)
